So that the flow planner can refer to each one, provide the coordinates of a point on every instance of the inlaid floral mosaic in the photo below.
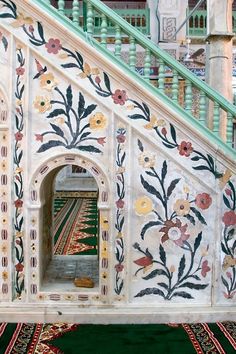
(18, 175)
(171, 218)
(75, 124)
(120, 206)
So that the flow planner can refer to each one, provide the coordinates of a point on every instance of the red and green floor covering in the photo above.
(201, 338)
(75, 226)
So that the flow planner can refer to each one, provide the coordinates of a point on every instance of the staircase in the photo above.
(165, 169)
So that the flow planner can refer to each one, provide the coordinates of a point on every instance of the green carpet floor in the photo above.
(201, 338)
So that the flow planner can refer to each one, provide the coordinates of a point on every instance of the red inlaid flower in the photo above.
(203, 201)
(19, 267)
(120, 138)
(18, 136)
(53, 46)
(185, 148)
(229, 218)
(31, 29)
(205, 268)
(119, 97)
(120, 203)
(39, 137)
(144, 261)
(101, 141)
(18, 203)
(175, 232)
(119, 267)
(20, 71)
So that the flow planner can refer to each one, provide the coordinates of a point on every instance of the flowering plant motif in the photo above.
(169, 140)
(228, 244)
(172, 227)
(72, 126)
(4, 41)
(18, 178)
(120, 188)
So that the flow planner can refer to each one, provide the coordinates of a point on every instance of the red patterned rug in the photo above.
(75, 226)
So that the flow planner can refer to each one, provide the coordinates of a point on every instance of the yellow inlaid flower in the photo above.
(154, 122)
(18, 170)
(146, 159)
(172, 268)
(104, 250)
(98, 121)
(4, 248)
(18, 102)
(60, 120)
(104, 224)
(4, 165)
(130, 107)
(186, 189)
(88, 71)
(47, 81)
(21, 20)
(19, 234)
(42, 104)
(225, 178)
(143, 206)
(4, 276)
(181, 207)
(119, 235)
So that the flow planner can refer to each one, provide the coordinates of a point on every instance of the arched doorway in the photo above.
(70, 228)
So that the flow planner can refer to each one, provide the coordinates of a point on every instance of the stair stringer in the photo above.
(130, 136)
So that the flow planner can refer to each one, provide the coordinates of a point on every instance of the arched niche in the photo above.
(40, 210)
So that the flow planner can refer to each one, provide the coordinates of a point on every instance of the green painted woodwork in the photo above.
(61, 6)
(175, 87)
(188, 97)
(151, 49)
(202, 108)
(161, 77)
(216, 120)
(104, 31)
(198, 23)
(75, 12)
(132, 53)
(118, 41)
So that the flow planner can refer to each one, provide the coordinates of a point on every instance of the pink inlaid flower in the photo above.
(119, 97)
(144, 261)
(101, 141)
(175, 232)
(205, 268)
(228, 191)
(31, 29)
(39, 137)
(19, 267)
(97, 80)
(203, 201)
(53, 46)
(185, 148)
(18, 136)
(229, 218)
(229, 275)
(229, 296)
(119, 267)
(164, 131)
(18, 203)
(20, 71)
(120, 203)
(120, 138)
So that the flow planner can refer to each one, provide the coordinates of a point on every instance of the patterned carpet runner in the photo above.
(75, 226)
(59, 338)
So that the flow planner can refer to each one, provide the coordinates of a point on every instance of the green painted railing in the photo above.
(139, 18)
(198, 23)
(173, 81)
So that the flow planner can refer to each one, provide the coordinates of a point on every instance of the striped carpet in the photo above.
(75, 226)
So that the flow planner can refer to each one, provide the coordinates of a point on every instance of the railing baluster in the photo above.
(117, 41)
(202, 108)
(132, 53)
(161, 76)
(104, 31)
(175, 87)
(216, 118)
(61, 6)
(75, 12)
(188, 96)
(90, 19)
(147, 64)
(229, 129)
